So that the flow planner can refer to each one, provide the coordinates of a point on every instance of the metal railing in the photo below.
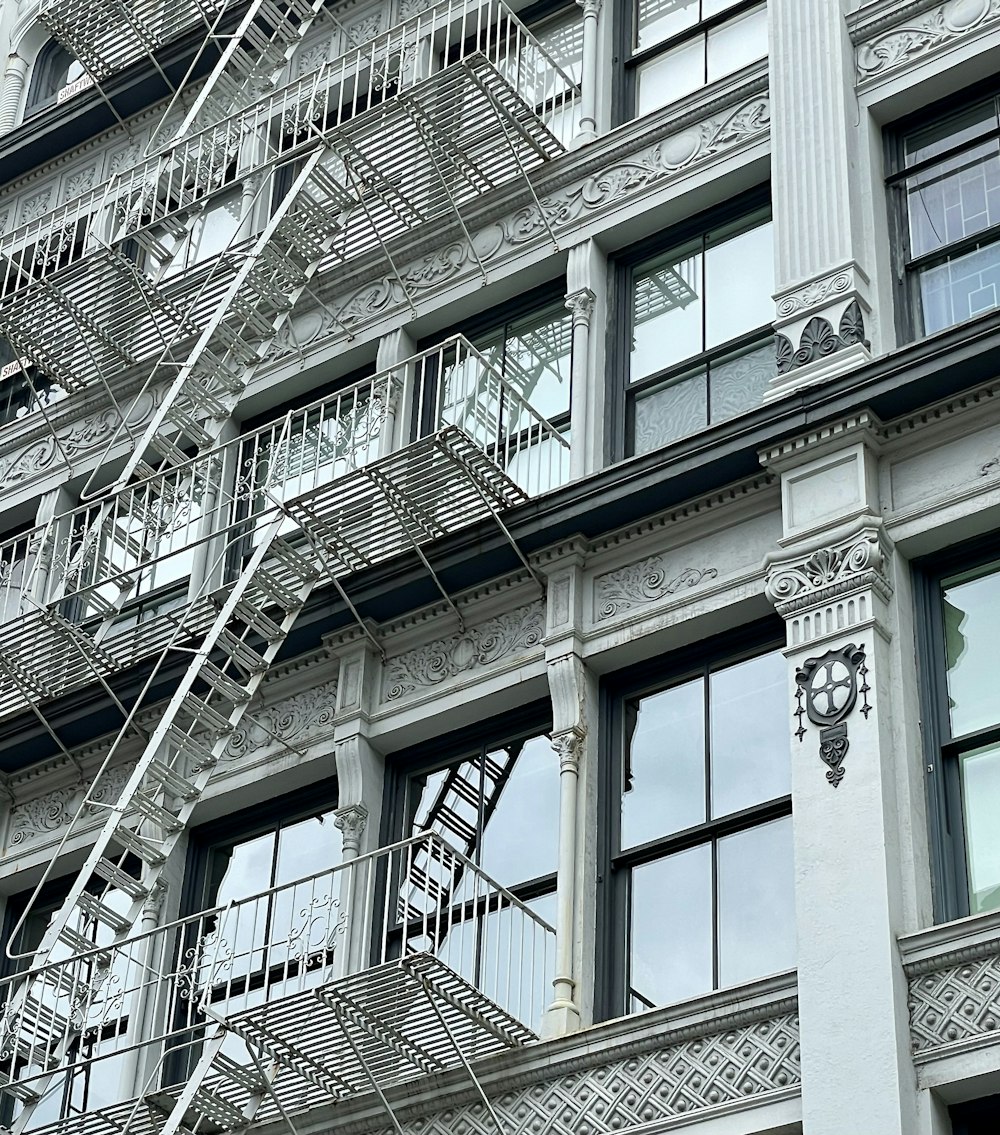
(123, 1018)
(335, 102)
(164, 541)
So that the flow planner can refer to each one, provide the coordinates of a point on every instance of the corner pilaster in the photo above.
(831, 580)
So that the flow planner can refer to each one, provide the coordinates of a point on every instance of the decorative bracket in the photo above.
(827, 691)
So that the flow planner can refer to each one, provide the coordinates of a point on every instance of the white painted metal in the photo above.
(465, 975)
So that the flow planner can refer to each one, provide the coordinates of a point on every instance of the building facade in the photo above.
(499, 504)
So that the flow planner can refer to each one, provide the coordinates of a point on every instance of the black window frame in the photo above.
(621, 391)
(51, 896)
(548, 295)
(514, 727)
(908, 308)
(612, 993)
(50, 61)
(204, 842)
(631, 57)
(941, 751)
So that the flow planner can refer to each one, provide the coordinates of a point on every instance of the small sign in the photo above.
(85, 82)
(10, 369)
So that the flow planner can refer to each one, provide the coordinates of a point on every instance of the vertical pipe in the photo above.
(587, 130)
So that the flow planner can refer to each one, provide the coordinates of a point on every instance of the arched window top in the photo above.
(54, 69)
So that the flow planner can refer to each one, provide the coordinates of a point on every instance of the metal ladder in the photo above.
(478, 783)
(252, 60)
(171, 775)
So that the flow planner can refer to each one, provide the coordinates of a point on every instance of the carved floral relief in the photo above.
(512, 633)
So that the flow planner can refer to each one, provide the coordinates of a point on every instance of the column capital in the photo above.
(590, 7)
(568, 746)
(581, 304)
(351, 822)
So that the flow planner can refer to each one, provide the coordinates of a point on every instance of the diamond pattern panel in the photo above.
(961, 1003)
(746, 1062)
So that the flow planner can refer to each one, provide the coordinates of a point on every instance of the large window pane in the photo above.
(954, 130)
(670, 411)
(750, 738)
(981, 800)
(756, 903)
(657, 20)
(960, 288)
(666, 312)
(739, 380)
(670, 938)
(664, 775)
(737, 43)
(670, 76)
(739, 282)
(954, 199)
(972, 630)
(537, 362)
(522, 837)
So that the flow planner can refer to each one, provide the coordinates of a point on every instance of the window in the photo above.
(945, 184)
(673, 47)
(976, 1118)
(266, 879)
(98, 1049)
(698, 813)
(531, 351)
(55, 75)
(964, 711)
(699, 342)
(492, 796)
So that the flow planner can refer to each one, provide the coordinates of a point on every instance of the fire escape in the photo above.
(196, 559)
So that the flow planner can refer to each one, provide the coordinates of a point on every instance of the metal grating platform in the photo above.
(420, 493)
(384, 1026)
(107, 35)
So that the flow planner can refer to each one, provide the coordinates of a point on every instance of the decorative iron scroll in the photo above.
(827, 691)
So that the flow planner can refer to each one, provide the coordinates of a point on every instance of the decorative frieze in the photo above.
(888, 40)
(736, 1067)
(40, 816)
(503, 637)
(639, 584)
(290, 721)
(956, 1006)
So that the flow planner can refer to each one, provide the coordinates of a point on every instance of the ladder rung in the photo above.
(92, 906)
(120, 880)
(168, 449)
(247, 1078)
(277, 591)
(195, 707)
(225, 685)
(23, 1092)
(66, 982)
(247, 613)
(171, 780)
(241, 653)
(146, 806)
(190, 747)
(81, 944)
(147, 850)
